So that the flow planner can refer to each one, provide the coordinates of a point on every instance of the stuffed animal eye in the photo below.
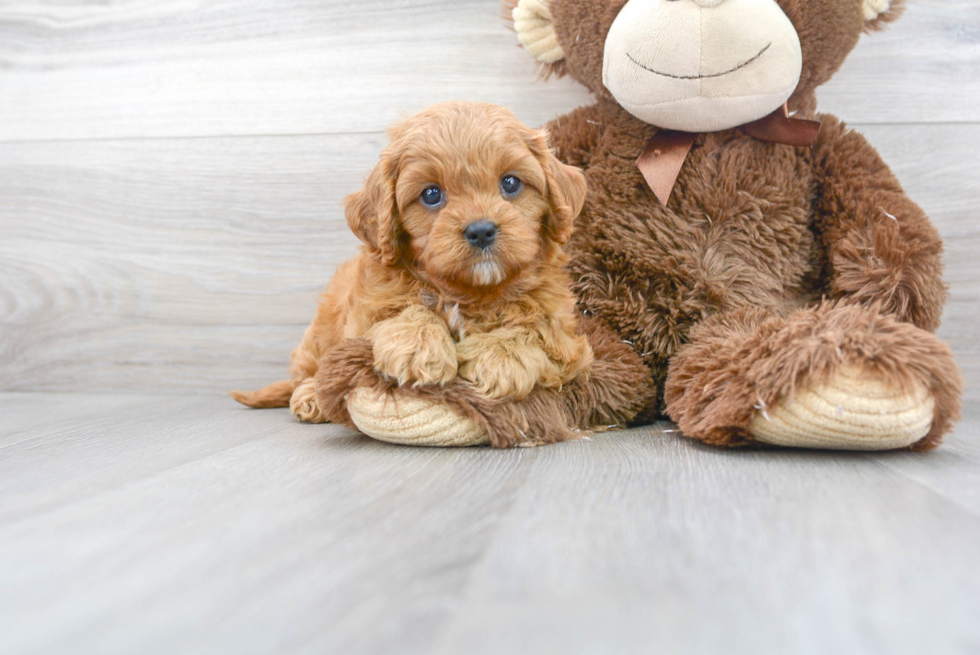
(511, 185)
(432, 196)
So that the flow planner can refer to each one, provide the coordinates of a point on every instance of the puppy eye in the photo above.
(432, 196)
(510, 185)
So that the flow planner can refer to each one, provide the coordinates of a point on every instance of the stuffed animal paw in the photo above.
(839, 376)
(412, 421)
(857, 408)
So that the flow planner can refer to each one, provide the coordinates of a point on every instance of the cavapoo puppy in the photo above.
(462, 271)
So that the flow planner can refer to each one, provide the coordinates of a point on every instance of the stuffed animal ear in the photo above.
(535, 29)
(372, 213)
(566, 188)
(878, 13)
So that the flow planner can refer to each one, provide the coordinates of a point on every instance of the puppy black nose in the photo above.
(481, 234)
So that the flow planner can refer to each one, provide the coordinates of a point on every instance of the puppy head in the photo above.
(467, 195)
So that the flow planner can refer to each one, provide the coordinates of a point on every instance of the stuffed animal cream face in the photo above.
(701, 65)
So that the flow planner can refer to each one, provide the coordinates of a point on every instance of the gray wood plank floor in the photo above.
(141, 524)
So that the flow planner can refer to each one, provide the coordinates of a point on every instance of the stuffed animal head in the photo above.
(697, 65)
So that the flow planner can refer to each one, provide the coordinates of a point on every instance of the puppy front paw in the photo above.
(502, 366)
(416, 348)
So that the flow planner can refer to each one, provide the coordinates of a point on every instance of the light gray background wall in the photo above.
(171, 171)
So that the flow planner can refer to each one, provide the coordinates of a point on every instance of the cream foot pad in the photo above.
(411, 421)
(855, 410)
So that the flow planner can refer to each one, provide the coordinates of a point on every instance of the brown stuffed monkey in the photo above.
(770, 272)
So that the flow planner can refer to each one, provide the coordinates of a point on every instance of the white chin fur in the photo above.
(488, 273)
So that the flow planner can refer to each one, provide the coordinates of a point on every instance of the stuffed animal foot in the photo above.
(413, 421)
(350, 391)
(856, 409)
(837, 375)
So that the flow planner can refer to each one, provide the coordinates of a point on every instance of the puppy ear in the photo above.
(372, 213)
(878, 13)
(566, 189)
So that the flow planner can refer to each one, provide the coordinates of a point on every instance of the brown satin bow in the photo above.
(664, 155)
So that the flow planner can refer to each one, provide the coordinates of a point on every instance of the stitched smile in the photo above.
(700, 77)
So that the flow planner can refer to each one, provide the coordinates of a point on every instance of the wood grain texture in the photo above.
(136, 260)
(915, 71)
(144, 257)
(180, 264)
(179, 68)
(184, 68)
(197, 526)
(25, 413)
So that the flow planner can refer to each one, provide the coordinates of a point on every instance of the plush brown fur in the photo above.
(432, 304)
(724, 292)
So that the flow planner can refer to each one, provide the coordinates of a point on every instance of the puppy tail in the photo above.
(276, 394)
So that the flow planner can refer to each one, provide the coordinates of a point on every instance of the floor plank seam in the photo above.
(115, 489)
(974, 513)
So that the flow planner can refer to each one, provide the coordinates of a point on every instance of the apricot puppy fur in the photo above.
(462, 271)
